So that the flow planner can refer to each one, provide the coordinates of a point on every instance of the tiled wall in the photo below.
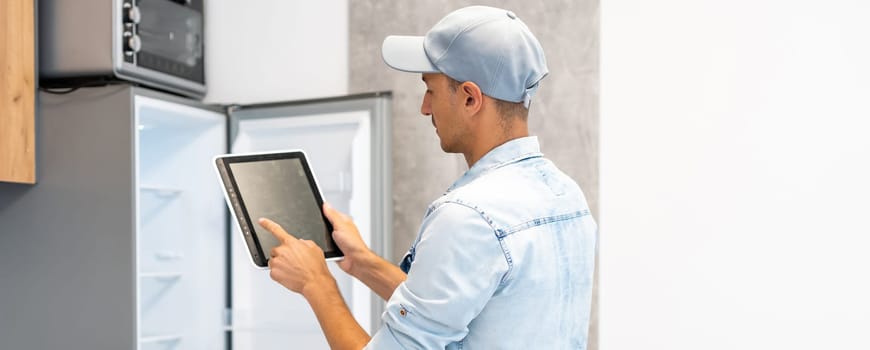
(564, 113)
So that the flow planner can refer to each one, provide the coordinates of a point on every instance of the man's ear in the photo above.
(473, 96)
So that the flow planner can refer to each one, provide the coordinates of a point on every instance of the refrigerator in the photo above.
(126, 242)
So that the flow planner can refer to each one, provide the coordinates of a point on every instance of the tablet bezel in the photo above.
(237, 205)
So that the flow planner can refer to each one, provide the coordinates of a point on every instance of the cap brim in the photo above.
(406, 53)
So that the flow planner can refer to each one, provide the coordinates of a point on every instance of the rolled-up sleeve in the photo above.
(458, 266)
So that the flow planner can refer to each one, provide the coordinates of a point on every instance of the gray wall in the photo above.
(564, 113)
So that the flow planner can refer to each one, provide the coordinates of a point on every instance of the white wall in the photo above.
(735, 173)
(275, 50)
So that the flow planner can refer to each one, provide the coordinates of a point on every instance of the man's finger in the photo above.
(330, 213)
(333, 215)
(275, 229)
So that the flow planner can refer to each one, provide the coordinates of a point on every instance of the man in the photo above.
(504, 259)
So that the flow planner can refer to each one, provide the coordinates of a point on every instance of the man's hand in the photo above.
(300, 266)
(297, 264)
(348, 239)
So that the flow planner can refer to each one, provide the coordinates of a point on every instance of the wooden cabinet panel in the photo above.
(17, 91)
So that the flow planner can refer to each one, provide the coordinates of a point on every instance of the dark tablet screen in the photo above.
(279, 187)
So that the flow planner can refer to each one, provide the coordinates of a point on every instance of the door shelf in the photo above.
(157, 204)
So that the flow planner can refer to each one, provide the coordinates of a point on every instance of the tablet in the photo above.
(281, 187)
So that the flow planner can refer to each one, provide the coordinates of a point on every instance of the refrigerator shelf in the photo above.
(161, 191)
(168, 255)
(161, 339)
(162, 276)
(144, 127)
(275, 329)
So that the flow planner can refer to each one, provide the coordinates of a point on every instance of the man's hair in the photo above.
(506, 109)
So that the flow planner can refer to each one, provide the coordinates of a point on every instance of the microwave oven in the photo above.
(158, 43)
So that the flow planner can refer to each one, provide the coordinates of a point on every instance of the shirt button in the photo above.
(402, 312)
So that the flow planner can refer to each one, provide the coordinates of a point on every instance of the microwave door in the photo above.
(162, 41)
(170, 50)
(170, 36)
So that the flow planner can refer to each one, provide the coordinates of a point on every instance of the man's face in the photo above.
(443, 106)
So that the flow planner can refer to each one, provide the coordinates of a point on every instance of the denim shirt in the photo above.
(503, 260)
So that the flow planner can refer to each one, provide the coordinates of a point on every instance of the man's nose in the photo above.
(426, 107)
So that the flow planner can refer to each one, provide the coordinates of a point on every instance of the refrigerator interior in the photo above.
(128, 224)
(339, 149)
(181, 227)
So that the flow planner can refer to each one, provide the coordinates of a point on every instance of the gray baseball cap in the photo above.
(489, 46)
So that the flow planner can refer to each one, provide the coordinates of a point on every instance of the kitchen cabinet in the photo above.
(17, 91)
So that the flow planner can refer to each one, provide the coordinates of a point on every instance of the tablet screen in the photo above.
(289, 201)
(281, 188)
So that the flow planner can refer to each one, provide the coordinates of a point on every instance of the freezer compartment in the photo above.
(181, 249)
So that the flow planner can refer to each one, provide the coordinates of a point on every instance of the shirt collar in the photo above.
(509, 152)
